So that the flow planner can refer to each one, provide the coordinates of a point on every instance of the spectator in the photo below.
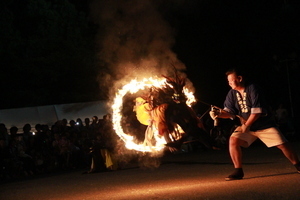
(5, 160)
(95, 124)
(3, 133)
(26, 133)
(16, 164)
(79, 124)
(97, 162)
(13, 132)
(26, 159)
(88, 128)
(61, 147)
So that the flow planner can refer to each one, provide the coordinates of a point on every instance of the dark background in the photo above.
(48, 52)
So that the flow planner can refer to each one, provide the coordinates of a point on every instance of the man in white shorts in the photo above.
(245, 100)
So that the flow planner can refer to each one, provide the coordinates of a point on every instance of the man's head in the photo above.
(235, 79)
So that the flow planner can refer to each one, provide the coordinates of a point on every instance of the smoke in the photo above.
(134, 40)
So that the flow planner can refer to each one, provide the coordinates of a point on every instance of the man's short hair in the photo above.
(238, 72)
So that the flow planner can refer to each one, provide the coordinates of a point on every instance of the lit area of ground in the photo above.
(198, 175)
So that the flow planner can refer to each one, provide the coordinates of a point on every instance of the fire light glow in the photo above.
(133, 87)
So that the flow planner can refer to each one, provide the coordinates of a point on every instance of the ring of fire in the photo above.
(133, 87)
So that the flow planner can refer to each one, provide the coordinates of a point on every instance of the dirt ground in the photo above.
(197, 175)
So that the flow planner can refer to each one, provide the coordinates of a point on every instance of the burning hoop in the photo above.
(133, 87)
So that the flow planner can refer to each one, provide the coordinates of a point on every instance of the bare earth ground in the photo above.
(268, 175)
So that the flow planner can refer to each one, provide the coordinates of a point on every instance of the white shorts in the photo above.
(270, 137)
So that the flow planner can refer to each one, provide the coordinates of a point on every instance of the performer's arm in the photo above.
(252, 118)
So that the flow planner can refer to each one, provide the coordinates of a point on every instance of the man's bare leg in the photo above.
(289, 152)
(236, 157)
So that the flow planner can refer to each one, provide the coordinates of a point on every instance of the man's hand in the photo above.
(244, 128)
(213, 114)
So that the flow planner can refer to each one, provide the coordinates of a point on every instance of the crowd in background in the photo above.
(90, 145)
(63, 146)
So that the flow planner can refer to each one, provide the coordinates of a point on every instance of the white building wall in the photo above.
(51, 113)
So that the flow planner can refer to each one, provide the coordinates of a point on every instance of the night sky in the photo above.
(50, 50)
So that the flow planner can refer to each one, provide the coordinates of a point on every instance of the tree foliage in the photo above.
(47, 53)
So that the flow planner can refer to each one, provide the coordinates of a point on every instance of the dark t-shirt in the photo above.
(252, 101)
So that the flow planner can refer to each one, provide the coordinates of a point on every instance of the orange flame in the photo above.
(133, 87)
